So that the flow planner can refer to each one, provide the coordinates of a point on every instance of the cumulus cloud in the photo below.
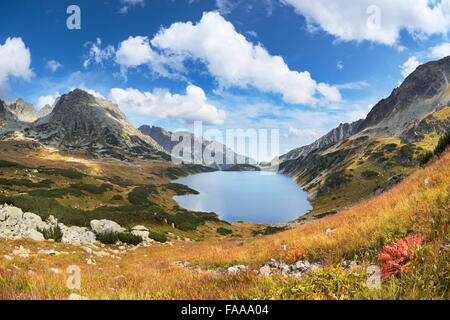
(96, 54)
(137, 51)
(440, 51)
(236, 62)
(409, 66)
(379, 21)
(127, 4)
(53, 65)
(163, 104)
(15, 61)
(47, 100)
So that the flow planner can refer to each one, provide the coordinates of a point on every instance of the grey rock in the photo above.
(103, 226)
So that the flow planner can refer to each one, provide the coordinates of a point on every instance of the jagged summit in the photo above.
(80, 121)
(230, 158)
(366, 156)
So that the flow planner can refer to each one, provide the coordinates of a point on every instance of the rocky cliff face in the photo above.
(80, 121)
(229, 157)
(357, 159)
(340, 133)
(23, 111)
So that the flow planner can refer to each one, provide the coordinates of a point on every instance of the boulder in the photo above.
(104, 226)
(237, 269)
(10, 216)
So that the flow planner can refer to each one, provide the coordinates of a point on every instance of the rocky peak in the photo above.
(422, 92)
(80, 121)
(24, 111)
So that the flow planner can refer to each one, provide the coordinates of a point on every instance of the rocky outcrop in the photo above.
(15, 224)
(23, 111)
(106, 226)
(81, 122)
(343, 131)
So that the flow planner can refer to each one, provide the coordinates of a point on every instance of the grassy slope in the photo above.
(410, 207)
(375, 156)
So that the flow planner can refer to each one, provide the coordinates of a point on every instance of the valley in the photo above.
(371, 183)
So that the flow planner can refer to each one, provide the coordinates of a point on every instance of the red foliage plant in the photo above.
(398, 254)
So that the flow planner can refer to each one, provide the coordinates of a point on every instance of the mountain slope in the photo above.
(23, 111)
(359, 159)
(82, 122)
(228, 157)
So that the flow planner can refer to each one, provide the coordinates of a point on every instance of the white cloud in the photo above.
(379, 21)
(53, 65)
(305, 133)
(47, 100)
(97, 54)
(163, 104)
(357, 85)
(15, 61)
(440, 51)
(224, 6)
(236, 62)
(130, 3)
(340, 65)
(409, 66)
(136, 51)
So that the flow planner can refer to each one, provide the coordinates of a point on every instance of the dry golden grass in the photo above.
(419, 205)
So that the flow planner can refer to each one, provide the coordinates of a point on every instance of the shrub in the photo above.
(426, 157)
(107, 237)
(117, 197)
(9, 164)
(130, 238)
(396, 256)
(139, 195)
(160, 237)
(113, 237)
(54, 233)
(368, 174)
(268, 231)
(443, 142)
(224, 231)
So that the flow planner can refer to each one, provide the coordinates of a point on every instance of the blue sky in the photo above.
(300, 66)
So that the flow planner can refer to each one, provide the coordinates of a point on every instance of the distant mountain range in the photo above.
(227, 157)
(366, 156)
(82, 123)
(347, 164)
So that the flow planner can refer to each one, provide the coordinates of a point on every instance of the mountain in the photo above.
(356, 160)
(23, 111)
(228, 156)
(81, 122)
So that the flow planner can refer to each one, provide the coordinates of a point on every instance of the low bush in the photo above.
(160, 237)
(396, 256)
(113, 237)
(224, 231)
(368, 174)
(117, 197)
(52, 233)
(130, 238)
(107, 237)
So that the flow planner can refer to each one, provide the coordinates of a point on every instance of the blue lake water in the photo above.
(245, 196)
